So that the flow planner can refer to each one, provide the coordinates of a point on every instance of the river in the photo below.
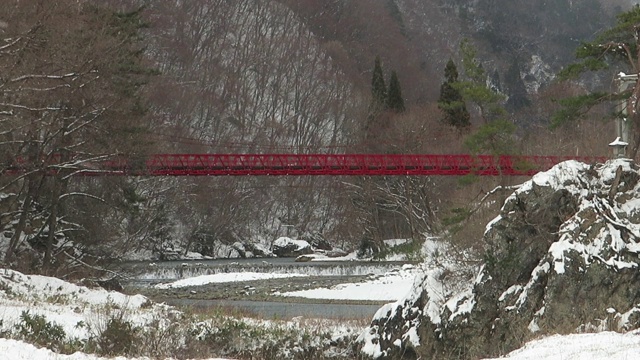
(143, 274)
(285, 310)
(165, 271)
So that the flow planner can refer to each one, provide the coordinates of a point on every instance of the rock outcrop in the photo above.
(561, 257)
(287, 247)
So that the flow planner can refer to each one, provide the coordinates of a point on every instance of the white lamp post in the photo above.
(621, 142)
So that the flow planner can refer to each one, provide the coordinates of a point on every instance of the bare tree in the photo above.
(249, 76)
(68, 97)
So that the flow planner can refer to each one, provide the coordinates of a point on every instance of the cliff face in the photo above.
(521, 43)
(562, 256)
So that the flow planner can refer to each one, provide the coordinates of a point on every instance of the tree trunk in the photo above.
(31, 194)
(52, 222)
(59, 188)
(18, 230)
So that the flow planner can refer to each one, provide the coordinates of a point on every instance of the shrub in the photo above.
(36, 329)
(118, 338)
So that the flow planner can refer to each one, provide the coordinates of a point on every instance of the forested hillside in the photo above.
(266, 76)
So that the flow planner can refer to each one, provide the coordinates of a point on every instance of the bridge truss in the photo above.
(311, 164)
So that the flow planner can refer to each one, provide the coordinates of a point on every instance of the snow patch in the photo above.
(461, 304)
(412, 337)
(224, 278)
(605, 345)
(389, 287)
(371, 341)
(285, 242)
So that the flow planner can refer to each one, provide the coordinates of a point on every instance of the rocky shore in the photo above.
(259, 290)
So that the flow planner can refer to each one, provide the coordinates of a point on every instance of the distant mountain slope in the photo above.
(522, 42)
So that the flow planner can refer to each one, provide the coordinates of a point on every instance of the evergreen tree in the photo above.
(395, 101)
(451, 102)
(613, 51)
(378, 87)
(495, 135)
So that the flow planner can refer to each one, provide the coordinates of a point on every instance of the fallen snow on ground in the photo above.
(600, 346)
(66, 304)
(81, 311)
(389, 287)
(18, 350)
(224, 278)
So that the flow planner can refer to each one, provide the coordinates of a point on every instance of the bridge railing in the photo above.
(309, 164)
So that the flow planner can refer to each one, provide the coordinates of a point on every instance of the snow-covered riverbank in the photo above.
(389, 286)
(72, 319)
(80, 312)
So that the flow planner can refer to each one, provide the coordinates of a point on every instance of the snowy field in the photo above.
(602, 346)
(18, 350)
(80, 311)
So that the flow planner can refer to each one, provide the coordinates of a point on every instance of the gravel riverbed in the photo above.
(259, 290)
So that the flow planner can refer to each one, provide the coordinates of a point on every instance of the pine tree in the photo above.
(495, 134)
(378, 87)
(614, 50)
(451, 102)
(451, 72)
(395, 101)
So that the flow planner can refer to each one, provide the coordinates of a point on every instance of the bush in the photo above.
(118, 338)
(36, 329)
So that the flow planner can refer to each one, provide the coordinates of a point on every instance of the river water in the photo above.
(281, 310)
(146, 273)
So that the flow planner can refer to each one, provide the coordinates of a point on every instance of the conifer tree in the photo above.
(395, 101)
(615, 50)
(451, 102)
(378, 87)
(495, 134)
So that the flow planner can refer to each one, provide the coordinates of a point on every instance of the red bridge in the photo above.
(309, 164)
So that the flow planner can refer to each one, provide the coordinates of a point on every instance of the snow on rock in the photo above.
(287, 247)
(396, 327)
(538, 73)
(562, 256)
(215, 250)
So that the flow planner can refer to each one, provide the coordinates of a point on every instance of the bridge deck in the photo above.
(307, 164)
